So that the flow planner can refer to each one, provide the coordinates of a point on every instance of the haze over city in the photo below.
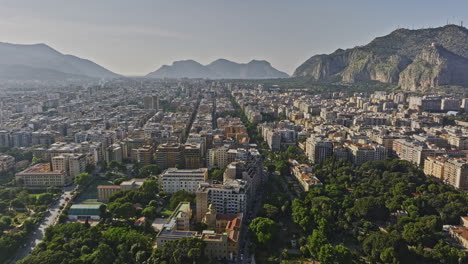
(134, 38)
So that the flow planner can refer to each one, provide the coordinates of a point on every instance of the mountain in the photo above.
(39, 61)
(218, 69)
(411, 59)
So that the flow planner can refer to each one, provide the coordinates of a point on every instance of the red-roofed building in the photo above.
(460, 233)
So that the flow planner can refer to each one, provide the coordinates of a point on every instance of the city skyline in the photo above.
(134, 39)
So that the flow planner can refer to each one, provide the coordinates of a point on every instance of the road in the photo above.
(50, 219)
(244, 237)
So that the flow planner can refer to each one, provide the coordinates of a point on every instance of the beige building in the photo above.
(413, 151)
(72, 163)
(132, 184)
(216, 244)
(192, 156)
(218, 157)
(143, 155)
(224, 237)
(434, 166)
(362, 153)
(456, 173)
(42, 175)
(106, 191)
(169, 155)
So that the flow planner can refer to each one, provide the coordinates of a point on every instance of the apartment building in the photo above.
(230, 198)
(434, 166)
(456, 173)
(192, 156)
(218, 157)
(362, 153)
(318, 150)
(151, 102)
(414, 151)
(169, 155)
(143, 155)
(72, 163)
(173, 180)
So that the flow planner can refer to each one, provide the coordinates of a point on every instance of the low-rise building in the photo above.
(84, 212)
(177, 226)
(42, 175)
(132, 184)
(305, 176)
(106, 191)
(460, 233)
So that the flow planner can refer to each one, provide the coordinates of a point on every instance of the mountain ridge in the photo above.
(28, 58)
(385, 58)
(218, 69)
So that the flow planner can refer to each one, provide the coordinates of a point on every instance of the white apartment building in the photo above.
(173, 180)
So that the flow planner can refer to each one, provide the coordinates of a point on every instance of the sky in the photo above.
(135, 37)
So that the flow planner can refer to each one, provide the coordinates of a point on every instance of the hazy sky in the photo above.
(138, 36)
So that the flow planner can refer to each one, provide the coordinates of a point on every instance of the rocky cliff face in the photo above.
(433, 67)
(404, 57)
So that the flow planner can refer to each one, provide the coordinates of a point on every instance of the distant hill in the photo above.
(39, 61)
(411, 59)
(219, 69)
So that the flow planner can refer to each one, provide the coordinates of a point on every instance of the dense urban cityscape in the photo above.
(217, 163)
(278, 132)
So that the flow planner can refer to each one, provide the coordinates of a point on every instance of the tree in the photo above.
(217, 174)
(425, 231)
(315, 242)
(90, 168)
(122, 210)
(5, 222)
(151, 187)
(44, 198)
(370, 208)
(263, 229)
(270, 211)
(181, 196)
(103, 255)
(115, 165)
(150, 170)
(339, 254)
(149, 212)
(180, 251)
(82, 179)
